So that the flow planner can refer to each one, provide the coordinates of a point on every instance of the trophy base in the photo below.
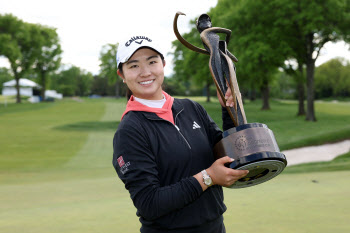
(260, 171)
(253, 147)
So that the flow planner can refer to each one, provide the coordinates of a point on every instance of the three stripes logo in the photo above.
(195, 125)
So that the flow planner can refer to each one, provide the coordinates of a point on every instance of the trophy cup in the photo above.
(252, 145)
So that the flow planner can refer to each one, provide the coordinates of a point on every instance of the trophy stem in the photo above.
(236, 112)
(238, 108)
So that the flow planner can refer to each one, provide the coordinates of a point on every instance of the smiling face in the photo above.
(143, 73)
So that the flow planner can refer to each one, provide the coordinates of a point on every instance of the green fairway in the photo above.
(340, 163)
(56, 173)
(313, 202)
(291, 131)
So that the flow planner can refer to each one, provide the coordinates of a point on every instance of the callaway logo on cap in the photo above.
(127, 48)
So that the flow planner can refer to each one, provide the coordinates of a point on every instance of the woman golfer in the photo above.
(163, 149)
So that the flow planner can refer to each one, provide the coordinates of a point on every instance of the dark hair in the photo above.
(128, 91)
(120, 68)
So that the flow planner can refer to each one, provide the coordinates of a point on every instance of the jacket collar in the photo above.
(176, 108)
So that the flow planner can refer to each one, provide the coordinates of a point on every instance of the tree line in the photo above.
(31, 49)
(269, 36)
(73, 81)
(34, 52)
(277, 43)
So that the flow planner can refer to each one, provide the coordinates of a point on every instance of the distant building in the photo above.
(53, 94)
(28, 88)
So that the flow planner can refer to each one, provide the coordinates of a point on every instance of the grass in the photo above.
(340, 163)
(5, 100)
(291, 203)
(56, 173)
(291, 131)
(288, 203)
(30, 140)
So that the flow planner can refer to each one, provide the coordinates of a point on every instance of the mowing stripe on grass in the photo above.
(98, 149)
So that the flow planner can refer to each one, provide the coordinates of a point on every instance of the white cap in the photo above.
(128, 47)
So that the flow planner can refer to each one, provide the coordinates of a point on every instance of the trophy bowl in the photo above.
(253, 147)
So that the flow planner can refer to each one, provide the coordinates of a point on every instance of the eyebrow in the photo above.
(149, 58)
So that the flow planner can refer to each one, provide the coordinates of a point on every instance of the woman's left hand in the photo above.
(228, 97)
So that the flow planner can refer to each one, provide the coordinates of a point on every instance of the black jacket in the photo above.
(156, 160)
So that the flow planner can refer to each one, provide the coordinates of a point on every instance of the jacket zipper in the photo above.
(178, 129)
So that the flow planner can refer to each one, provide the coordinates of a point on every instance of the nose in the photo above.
(145, 71)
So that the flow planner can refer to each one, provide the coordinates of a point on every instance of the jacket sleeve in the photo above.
(227, 122)
(137, 168)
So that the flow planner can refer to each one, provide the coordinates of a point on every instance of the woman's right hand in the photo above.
(222, 175)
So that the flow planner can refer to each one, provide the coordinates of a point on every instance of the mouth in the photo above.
(147, 82)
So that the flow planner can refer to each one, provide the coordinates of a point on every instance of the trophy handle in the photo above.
(182, 40)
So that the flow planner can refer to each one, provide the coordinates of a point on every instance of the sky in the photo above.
(84, 27)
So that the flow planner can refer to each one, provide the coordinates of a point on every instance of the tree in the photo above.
(18, 43)
(283, 86)
(297, 72)
(47, 57)
(254, 42)
(307, 26)
(332, 79)
(14, 37)
(295, 30)
(72, 81)
(173, 87)
(29, 47)
(109, 67)
(250, 42)
(83, 83)
(65, 81)
(101, 86)
(5, 75)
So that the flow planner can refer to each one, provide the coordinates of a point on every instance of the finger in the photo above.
(242, 176)
(225, 159)
(231, 182)
(239, 173)
(230, 102)
(228, 93)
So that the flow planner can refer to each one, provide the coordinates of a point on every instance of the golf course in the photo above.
(56, 173)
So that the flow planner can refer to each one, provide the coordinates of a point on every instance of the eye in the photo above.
(133, 66)
(153, 62)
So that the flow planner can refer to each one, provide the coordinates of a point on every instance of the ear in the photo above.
(164, 63)
(120, 74)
